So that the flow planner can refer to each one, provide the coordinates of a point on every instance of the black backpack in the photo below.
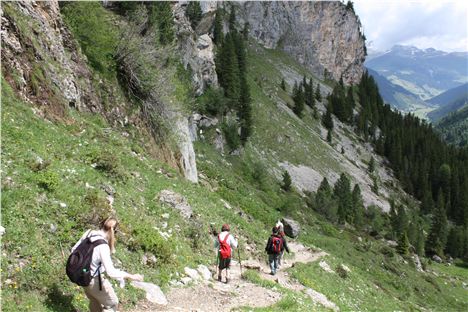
(79, 262)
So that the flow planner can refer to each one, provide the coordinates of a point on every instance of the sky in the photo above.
(439, 24)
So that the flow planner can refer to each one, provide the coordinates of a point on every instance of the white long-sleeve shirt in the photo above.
(231, 241)
(101, 255)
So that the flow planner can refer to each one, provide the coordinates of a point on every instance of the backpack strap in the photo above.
(95, 244)
(226, 238)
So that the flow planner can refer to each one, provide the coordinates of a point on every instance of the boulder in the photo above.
(417, 263)
(154, 294)
(437, 259)
(325, 266)
(176, 201)
(252, 265)
(193, 274)
(204, 272)
(291, 227)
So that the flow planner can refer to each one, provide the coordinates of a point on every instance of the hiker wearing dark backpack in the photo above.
(276, 244)
(90, 257)
(224, 243)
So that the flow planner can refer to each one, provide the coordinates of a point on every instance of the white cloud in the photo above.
(440, 24)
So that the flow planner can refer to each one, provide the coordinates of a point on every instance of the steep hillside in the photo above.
(454, 127)
(142, 138)
(415, 69)
(449, 101)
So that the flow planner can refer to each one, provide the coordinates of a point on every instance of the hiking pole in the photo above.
(240, 262)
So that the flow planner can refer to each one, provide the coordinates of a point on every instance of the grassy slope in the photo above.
(32, 255)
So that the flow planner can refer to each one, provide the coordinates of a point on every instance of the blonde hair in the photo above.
(109, 225)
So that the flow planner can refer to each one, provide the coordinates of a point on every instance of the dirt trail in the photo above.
(217, 296)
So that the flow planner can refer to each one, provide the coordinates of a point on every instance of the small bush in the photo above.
(212, 102)
(341, 272)
(148, 239)
(387, 251)
(48, 180)
(109, 164)
(99, 207)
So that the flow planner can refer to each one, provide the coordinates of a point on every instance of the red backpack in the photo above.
(276, 244)
(224, 247)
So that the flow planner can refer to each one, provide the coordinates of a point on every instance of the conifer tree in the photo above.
(420, 241)
(161, 15)
(194, 13)
(342, 192)
(329, 136)
(245, 31)
(298, 98)
(283, 84)
(324, 203)
(327, 119)
(358, 207)
(245, 111)
(232, 20)
(371, 167)
(437, 237)
(229, 70)
(218, 28)
(286, 186)
(318, 95)
(403, 244)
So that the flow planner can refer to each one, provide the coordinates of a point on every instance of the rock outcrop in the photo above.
(196, 51)
(322, 35)
(40, 60)
(291, 227)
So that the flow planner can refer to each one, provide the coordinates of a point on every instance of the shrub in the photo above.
(99, 207)
(48, 180)
(148, 239)
(212, 102)
(109, 164)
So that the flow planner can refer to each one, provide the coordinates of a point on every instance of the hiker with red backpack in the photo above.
(90, 257)
(280, 227)
(276, 244)
(224, 243)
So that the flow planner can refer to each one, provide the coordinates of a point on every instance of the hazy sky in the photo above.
(440, 24)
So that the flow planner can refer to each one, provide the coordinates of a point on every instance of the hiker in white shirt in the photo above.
(101, 295)
(224, 242)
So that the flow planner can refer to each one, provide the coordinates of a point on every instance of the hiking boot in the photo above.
(227, 280)
(219, 278)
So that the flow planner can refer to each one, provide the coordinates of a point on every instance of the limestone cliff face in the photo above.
(322, 35)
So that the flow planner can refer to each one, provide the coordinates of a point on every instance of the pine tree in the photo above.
(298, 98)
(327, 119)
(194, 13)
(342, 192)
(228, 70)
(161, 15)
(420, 241)
(371, 167)
(283, 84)
(358, 207)
(232, 20)
(318, 95)
(324, 203)
(241, 53)
(245, 31)
(329, 136)
(437, 237)
(218, 28)
(286, 186)
(403, 244)
(455, 242)
(245, 111)
(309, 94)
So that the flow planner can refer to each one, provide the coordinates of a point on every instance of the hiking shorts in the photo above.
(224, 263)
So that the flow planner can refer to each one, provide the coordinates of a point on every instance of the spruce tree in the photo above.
(218, 28)
(327, 119)
(298, 98)
(245, 111)
(318, 95)
(371, 167)
(437, 237)
(342, 192)
(194, 13)
(286, 186)
(358, 207)
(161, 15)
(283, 84)
(245, 31)
(329, 136)
(232, 20)
(420, 242)
(229, 70)
(324, 203)
(403, 244)
(309, 94)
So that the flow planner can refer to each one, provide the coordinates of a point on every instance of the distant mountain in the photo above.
(425, 73)
(454, 127)
(450, 95)
(449, 101)
(396, 95)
